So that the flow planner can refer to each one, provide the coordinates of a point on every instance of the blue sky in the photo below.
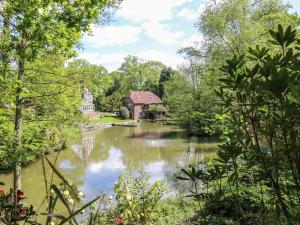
(150, 29)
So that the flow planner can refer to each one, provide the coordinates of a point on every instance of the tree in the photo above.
(36, 27)
(111, 103)
(178, 96)
(117, 83)
(255, 177)
(224, 34)
(51, 101)
(140, 75)
(94, 77)
(258, 88)
(165, 75)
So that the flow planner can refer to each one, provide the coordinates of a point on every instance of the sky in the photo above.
(149, 29)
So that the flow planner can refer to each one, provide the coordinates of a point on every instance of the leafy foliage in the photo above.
(111, 103)
(137, 199)
(12, 210)
(124, 113)
(156, 108)
(165, 75)
(224, 35)
(256, 173)
(37, 38)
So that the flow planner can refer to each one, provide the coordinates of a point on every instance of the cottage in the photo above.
(144, 104)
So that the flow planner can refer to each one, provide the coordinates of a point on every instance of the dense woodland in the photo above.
(241, 82)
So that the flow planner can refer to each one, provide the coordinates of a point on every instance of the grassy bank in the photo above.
(107, 117)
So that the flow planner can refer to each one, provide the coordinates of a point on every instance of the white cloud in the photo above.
(124, 35)
(112, 61)
(155, 170)
(152, 18)
(169, 59)
(189, 14)
(149, 10)
(161, 33)
(113, 35)
(114, 162)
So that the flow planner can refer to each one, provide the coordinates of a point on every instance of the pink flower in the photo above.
(118, 220)
(2, 192)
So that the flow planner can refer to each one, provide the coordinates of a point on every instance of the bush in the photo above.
(137, 199)
(253, 180)
(124, 113)
(12, 210)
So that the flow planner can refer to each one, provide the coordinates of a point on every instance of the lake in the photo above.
(94, 161)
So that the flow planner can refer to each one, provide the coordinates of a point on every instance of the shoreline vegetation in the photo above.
(68, 134)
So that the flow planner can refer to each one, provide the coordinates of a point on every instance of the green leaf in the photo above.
(63, 200)
(62, 178)
(72, 216)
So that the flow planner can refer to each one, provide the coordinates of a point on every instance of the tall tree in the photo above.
(95, 77)
(140, 74)
(165, 76)
(37, 27)
(228, 27)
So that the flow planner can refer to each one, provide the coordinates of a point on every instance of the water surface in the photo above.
(94, 161)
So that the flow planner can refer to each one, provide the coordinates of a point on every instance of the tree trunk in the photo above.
(18, 125)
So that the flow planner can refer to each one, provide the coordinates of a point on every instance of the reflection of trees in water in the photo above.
(160, 149)
(146, 143)
(140, 145)
(197, 153)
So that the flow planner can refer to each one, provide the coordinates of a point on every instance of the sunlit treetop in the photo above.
(50, 25)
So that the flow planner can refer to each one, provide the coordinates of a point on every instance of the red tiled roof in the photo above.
(144, 97)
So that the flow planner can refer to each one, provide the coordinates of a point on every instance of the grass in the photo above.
(109, 118)
(175, 211)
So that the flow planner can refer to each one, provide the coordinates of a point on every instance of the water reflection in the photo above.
(84, 149)
(95, 160)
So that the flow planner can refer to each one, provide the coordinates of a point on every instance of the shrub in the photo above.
(254, 179)
(124, 113)
(12, 210)
(137, 199)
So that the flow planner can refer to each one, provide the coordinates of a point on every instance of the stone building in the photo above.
(87, 105)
